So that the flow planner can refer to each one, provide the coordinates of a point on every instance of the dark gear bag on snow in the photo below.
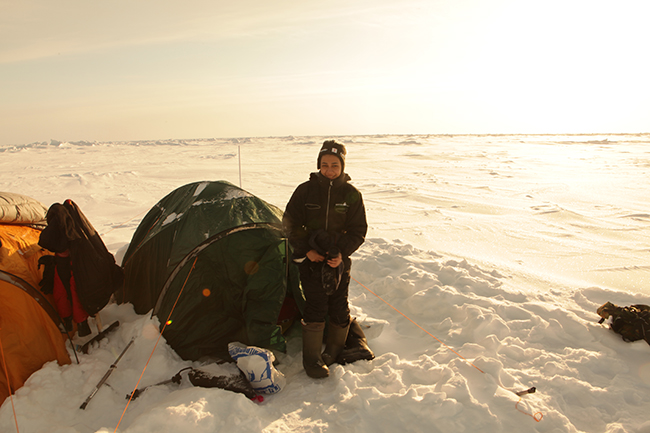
(632, 322)
(236, 383)
(96, 274)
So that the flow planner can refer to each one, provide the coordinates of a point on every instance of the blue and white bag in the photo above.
(257, 364)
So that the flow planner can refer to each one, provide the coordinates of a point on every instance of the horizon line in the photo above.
(487, 134)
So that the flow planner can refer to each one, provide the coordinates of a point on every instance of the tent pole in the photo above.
(72, 345)
(98, 322)
(239, 153)
(286, 259)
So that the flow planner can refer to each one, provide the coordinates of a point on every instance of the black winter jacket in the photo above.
(321, 204)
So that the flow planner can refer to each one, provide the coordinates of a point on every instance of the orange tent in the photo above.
(29, 331)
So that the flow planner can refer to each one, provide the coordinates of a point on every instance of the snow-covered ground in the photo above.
(485, 262)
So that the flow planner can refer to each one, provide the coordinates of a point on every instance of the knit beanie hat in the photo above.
(332, 147)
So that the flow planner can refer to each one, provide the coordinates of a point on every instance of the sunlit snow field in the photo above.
(501, 247)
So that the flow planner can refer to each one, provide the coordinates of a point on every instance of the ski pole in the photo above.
(106, 375)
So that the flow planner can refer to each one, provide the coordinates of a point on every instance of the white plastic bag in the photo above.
(257, 365)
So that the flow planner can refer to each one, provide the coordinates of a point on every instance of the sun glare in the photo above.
(530, 69)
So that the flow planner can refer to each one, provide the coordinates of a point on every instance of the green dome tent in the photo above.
(215, 257)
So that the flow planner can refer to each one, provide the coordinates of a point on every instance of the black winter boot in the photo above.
(312, 343)
(83, 329)
(356, 345)
(336, 336)
(67, 322)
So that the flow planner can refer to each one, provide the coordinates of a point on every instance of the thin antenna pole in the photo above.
(239, 152)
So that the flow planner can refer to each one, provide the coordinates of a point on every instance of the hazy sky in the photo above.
(154, 69)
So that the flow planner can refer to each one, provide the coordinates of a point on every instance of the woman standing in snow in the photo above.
(325, 220)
